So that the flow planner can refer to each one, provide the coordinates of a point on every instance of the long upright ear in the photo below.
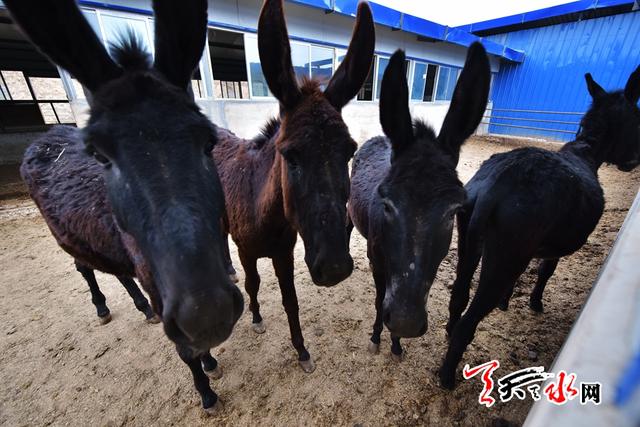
(353, 71)
(632, 89)
(595, 90)
(181, 31)
(469, 101)
(59, 30)
(395, 117)
(275, 54)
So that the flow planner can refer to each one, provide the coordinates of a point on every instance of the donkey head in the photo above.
(614, 120)
(421, 193)
(153, 141)
(314, 142)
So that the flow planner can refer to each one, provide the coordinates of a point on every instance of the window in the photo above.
(228, 64)
(20, 88)
(424, 77)
(321, 64)
(116, 27)
(47, 88)
(300, 59)
(92, 18)
(259, 85)
(446, 83)
(17, 85)
(382, 65)
(308, 61)
(4, 92)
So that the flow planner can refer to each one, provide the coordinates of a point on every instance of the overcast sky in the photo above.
(460, 12)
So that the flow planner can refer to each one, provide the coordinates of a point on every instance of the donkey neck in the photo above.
(590, 145)
(270, 202)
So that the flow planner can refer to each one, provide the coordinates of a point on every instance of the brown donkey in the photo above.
(294, 177)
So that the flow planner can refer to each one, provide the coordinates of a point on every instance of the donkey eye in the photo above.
(208, 148)
(100, 158)
(388, 209)
(96, 155)
(291, 158)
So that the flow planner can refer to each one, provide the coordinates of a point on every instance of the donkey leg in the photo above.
(211, 366)
(210, 401)
(139, 300)
(469, 254)
(226, 253)
(498, 274)
(283, 265)
(374, 342)
(396, 349)
(545, 270)
(252, 286)
(97, 298)
(504, 302)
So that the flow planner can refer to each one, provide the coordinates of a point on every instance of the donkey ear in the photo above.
(275, 54)
(353, 71)
(181, 31)
(632, 89)
(595, 90)
(394, 103)
(72, 45)
(469, 101)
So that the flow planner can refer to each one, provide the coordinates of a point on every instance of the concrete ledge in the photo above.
(604, 340)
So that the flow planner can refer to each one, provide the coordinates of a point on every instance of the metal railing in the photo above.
(490, 120)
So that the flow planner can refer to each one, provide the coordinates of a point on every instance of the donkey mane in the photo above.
(129, 52)
(422, 130)
(268, 131)
(310, 85)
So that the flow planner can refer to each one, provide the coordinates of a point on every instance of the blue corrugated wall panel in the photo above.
(551, 78)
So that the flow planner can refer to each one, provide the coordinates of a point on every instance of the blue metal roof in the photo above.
(546, 13)
(412, 24)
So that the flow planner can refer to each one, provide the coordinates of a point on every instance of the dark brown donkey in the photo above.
(294, 177)
(150, 202)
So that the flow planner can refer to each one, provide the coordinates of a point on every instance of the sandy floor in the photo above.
(58, 366)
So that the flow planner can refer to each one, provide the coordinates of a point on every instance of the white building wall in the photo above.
(246, 117)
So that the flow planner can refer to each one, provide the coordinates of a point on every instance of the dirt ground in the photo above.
(59, 367)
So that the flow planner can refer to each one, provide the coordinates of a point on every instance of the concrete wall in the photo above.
(246, 118)
(13, 145)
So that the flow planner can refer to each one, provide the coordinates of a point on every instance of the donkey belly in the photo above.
(567, 237)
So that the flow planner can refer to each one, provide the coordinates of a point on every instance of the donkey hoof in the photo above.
(234, 278)
(397, 357)
(155, 319)
(373, 348)
(447, 381)
(536, 306)
(259, 327)
(215, 374)
(307, 365)
(105, 319)
(215, 409)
